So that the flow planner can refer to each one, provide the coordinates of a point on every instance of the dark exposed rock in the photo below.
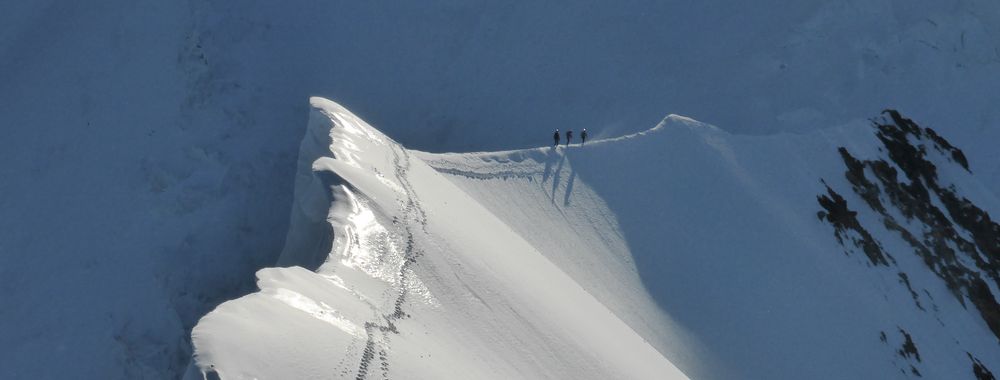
(905, 280)
(866, 189)
(985, 233)
(908, 182)
(940, 143)
(980, 370)
(908, 349)
(844, 220)
(982, 297)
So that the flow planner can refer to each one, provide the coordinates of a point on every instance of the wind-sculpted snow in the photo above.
(679, 245)
(149, 147)
(682, 244)
(419, 281)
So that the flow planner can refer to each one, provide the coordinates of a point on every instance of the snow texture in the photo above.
(149, 148)
(702, 241)
(682, 245)
(422, 282)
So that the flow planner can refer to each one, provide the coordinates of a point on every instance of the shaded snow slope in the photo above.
(421, 282)
(134, 194)
(149, 147)
(691, 234)
(444, 75)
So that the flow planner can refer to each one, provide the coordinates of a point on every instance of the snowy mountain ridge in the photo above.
(421, 282)
(681, 248)
(164, 135)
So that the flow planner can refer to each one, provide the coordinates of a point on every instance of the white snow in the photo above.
(719, 233)
(476, 300)
(149, 148)
(683, 245)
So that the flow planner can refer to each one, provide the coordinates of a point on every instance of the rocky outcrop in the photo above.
(954, 238)
(847, 227)
(978, 369)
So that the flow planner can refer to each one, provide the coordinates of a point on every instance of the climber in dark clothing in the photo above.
(583, 136)
(555, 136)
(569, 136)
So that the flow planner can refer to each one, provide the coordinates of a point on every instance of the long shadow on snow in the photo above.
(681, 201)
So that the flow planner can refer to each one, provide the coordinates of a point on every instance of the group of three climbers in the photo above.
(569, 136)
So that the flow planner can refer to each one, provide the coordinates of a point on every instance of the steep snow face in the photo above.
(682, 245)
(149, 148)
(916, 199)
(420, 282)
(691, 234)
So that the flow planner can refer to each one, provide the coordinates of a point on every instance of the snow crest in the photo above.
(408, 277)
(679, 251)
(708, 245)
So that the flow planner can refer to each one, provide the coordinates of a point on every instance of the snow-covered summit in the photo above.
(421, 282)
(149, 147)
(681, 248)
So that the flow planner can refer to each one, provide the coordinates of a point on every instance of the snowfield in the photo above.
(679, 251)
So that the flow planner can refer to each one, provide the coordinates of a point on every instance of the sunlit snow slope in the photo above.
(148, 146)
(682, 245)
(421, 282)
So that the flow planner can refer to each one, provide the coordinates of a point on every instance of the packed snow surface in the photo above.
(679, 251)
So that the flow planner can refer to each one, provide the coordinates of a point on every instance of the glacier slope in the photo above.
(702, 243)
(421, 282)
(163, 135)
(692, 234)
